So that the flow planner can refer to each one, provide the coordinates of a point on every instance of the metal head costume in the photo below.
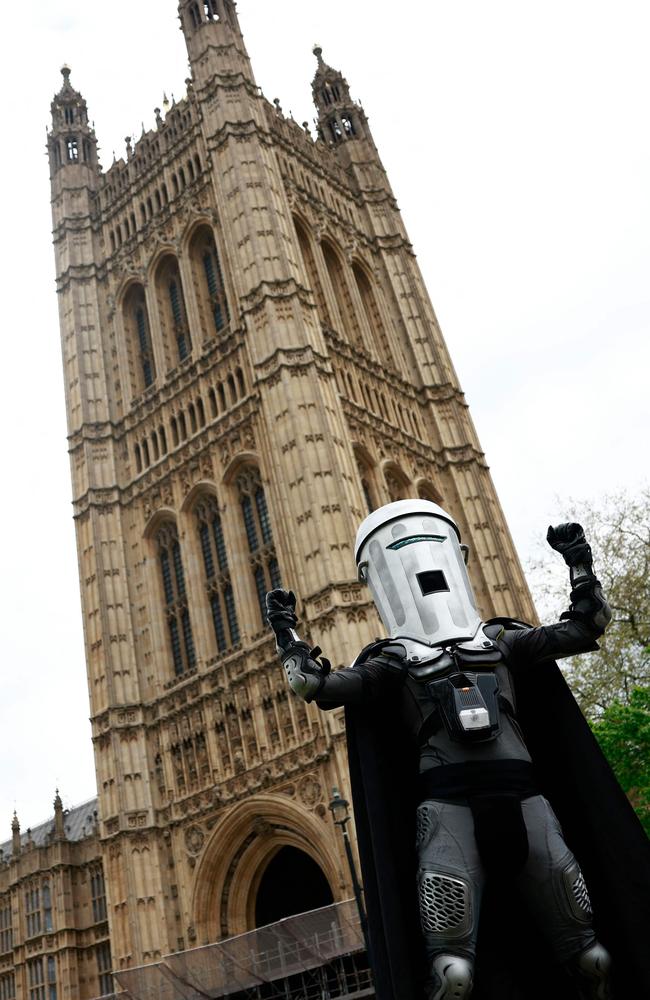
(444, 718)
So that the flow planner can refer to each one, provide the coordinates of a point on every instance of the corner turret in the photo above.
(339, 117)
(71, 141)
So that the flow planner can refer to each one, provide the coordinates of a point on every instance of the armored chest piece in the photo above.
(468, 703)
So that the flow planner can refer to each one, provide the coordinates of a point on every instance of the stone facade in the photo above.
(54, 935)
(251, 362)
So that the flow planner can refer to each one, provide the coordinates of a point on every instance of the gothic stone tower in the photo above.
(251, 361)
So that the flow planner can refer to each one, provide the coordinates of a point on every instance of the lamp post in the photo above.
(339, 808)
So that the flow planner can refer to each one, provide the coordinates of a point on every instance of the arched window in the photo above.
(426, 491)
(208, 282)
(341, 291)
(217, 574)
(144, 341)
(373, 314)
(312, 273)
(259, 536)
(367, 482)
(175, 597)
(172, 311)
(180, 321)
(397, 484)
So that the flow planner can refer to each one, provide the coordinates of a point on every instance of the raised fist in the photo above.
(569, 540)
(281, 609)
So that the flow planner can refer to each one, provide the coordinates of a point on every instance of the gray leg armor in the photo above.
(591, 970)
(450, 885)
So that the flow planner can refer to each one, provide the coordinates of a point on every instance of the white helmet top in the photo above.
(409, 554)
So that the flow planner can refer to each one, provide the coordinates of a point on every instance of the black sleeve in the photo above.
(547, 642)
(375, 678)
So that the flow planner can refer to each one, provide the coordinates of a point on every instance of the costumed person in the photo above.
(459, 733)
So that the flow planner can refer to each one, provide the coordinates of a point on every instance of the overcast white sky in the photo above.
(516, 139)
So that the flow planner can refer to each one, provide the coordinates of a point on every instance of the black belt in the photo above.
(512, 778)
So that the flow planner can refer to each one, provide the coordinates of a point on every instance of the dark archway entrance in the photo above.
(292, 883)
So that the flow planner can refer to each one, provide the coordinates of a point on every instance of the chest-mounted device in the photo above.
(469, 706)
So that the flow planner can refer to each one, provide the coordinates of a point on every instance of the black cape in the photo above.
(599, 825)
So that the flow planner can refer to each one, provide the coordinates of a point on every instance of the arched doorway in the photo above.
(292, 883)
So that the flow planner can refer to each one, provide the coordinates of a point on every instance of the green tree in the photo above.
(623, 732)
(618, 529)
(613, 685)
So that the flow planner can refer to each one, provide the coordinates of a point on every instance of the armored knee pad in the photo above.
(591, 970)
(451, 978)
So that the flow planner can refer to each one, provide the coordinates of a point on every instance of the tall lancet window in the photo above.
(373, 314)
(172, 311)
(138, 335)
(338, 280)
(209, 285)
(210, 9)
(217, 574)
(304, 241)
(178, 617)
(259, 536)
(180, 322)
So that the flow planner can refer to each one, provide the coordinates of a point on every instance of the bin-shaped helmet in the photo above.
(410, 556)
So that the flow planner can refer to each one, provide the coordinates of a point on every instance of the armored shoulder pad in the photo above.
(495, 627)
(391, 653)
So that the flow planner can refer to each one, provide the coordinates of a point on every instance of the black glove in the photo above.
(569, 540)
(281, 609)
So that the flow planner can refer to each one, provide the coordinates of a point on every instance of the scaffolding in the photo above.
(317, 955)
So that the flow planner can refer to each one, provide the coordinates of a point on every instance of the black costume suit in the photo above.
(401, 756)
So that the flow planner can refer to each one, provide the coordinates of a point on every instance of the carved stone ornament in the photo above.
(194, 839)
(310, 791)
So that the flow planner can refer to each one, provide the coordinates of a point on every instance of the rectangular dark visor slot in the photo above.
(432, 581)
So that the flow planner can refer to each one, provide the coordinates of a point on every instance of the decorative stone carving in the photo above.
(310, 791)
(194, 839)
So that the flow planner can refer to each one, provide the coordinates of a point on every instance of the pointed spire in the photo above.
(15, 834)
(59, 829)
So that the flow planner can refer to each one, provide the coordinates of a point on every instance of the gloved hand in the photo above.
(305, 672)
(281, 609)
(569, 540)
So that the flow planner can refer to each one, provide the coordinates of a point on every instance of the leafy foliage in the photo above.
(623, 732)
(618, 529)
